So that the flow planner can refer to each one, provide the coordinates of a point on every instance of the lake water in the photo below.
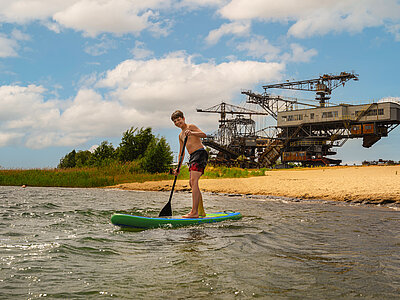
(59, 243)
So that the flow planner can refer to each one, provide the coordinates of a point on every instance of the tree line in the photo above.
(152, 154)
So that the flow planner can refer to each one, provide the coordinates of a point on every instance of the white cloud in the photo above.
(7, 138)
(316, 17)
(25, 11)
(235, 28)
(299, 54)
(259, 47)
(95, 17)
(140, 93)
(306, 18)
(100, 48)
(53, 26)
(92, 17)
(193, 4)
(157, 87)
(390, 99)
(8, 47)
(395, 30)
(140, 52)
(19, 35)
(17, 101)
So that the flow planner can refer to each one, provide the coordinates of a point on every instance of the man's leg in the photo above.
(196, 195)
(202, 213)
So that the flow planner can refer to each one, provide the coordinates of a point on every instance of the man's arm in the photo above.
(194, 130)
(179, 157)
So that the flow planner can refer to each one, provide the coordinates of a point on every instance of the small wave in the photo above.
(85, 250)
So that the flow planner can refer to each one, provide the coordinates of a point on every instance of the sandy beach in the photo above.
(360, 184)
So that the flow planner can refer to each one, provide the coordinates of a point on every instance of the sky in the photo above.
(74, 73)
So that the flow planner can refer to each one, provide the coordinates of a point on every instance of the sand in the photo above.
(360, 184)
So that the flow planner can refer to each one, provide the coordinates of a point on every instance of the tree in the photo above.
(158, 157)
(68, 161)
(142, 141)
(82, 158)
(153, 154)
(126, 149)
(134, 146)
(102, 153)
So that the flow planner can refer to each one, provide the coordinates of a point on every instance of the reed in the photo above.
(112, 174)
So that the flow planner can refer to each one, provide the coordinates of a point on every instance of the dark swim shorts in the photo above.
(198, 160)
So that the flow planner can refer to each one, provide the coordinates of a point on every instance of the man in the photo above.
(197, 161)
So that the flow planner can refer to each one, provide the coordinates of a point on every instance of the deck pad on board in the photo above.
(140, 222)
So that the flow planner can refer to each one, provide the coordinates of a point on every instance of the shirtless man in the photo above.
(197, 161)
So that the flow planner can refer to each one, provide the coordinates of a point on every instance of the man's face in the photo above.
(179, 122)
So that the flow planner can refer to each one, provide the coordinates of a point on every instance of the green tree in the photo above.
(82, 158)
(68, 161)
(104, 152)
(134, 146)
(158, 157)
(126, 149)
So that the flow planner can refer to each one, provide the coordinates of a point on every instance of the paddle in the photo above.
(167, 209)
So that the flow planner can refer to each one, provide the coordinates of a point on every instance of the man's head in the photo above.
(178, 118)
(177, 114)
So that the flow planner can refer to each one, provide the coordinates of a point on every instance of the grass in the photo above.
(112, 174)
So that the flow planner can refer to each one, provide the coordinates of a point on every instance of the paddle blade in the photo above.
(166, 211)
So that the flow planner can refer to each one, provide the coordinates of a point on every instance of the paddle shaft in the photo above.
(167, 210)
(179, 167)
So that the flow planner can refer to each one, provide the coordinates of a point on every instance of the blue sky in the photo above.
(76, 72)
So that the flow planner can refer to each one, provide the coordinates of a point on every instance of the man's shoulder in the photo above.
(192, 126)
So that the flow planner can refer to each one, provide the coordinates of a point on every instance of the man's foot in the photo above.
(190, 216)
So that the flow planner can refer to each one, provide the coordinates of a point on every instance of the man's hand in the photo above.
(174, 171)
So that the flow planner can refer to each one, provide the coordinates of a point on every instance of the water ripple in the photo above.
(59, 243)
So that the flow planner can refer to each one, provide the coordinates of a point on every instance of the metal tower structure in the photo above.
(305, 132)
(233, 134)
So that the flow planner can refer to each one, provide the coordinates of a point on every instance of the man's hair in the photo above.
(176, 114)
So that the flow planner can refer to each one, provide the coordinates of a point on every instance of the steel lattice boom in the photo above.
(323, 86)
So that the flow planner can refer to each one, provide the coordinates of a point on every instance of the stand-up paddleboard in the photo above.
(139, 222)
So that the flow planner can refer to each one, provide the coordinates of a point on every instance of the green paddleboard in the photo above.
(140, 222)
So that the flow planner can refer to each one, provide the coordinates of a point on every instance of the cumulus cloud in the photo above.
(92, 17)
(140, 52)
(158, 86)
(234, 28)
(95, 17)
(306, 18)
(299, 54)
(259, 47)
(10, 44)
(7, 138)
(192, 4)
(25, 11)
(138, 93)
(315, 17)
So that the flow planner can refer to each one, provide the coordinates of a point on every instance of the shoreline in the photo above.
(356, 184)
